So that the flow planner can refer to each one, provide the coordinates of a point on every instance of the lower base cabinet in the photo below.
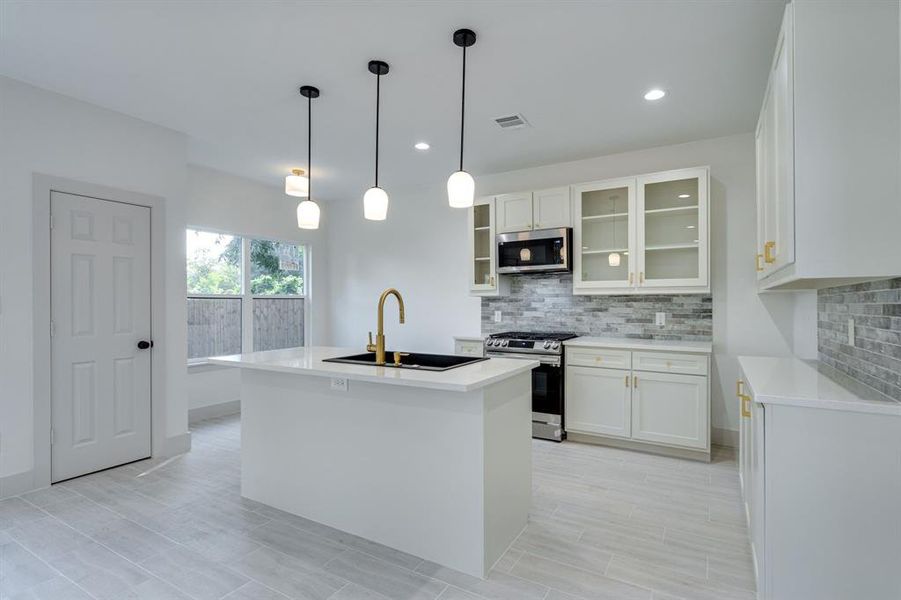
(670, 409)
(821, 491)
(598, 401)
(661, 409)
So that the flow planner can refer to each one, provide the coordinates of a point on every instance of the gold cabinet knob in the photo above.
(758, 258)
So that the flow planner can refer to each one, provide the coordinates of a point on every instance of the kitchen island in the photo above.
(433, 463)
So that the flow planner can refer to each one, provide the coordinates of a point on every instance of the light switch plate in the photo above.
(850, 332)
(497, 316)
(661, 319)
(339, 384)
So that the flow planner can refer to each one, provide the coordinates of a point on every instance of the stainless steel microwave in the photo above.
(539, 251)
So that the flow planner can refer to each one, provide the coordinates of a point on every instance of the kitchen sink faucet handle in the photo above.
(370, 347)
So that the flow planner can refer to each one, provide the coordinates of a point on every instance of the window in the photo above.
(243, 293)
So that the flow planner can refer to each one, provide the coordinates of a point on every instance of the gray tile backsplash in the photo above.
(546, 303)
(875, 357)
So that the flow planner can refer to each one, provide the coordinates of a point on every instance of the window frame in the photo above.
(246, 297)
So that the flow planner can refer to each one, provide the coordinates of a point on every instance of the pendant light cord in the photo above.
(309, 146)
(378, 89)
(463, 108)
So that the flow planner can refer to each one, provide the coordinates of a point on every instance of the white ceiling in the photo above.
(226, 74)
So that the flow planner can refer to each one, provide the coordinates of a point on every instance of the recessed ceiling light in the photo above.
(685, 195)
(689, 227)
(655, 94)
(421, 146)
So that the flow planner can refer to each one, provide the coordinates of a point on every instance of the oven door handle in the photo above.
(543, 359)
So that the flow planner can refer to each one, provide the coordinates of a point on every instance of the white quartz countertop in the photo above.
(309, 361)
(638, 344)
(795, 382)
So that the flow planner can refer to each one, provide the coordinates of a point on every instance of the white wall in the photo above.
(228, 203)
(421, 250)
(43, 132)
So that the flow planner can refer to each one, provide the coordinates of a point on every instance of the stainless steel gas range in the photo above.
(547, 379)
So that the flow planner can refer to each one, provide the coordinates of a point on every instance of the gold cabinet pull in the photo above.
(627, 381)
(757, 260)
(641, 277)
(769, 252)
(491, 280)
(745, 406)
(630, 277)
(635, 381)
(738, 384)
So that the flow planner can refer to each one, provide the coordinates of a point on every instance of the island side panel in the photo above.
(508, 463)
(398, 465)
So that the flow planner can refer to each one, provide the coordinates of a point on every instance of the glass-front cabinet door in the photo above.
(672, 229)
(482, 278)
(604, 236)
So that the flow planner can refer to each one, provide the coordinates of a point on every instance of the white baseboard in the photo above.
(175, 445)
(724, 437)
(214, 410)
(15, 484)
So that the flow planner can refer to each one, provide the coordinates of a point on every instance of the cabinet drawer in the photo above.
(598, 357)
(664, 362)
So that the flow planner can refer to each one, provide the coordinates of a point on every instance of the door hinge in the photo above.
(51, 221)
(52, 328)
(52, 436)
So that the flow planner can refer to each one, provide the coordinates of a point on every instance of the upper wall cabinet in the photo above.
(828, 148)
(525, 211)
(643, 235)
(483, 277)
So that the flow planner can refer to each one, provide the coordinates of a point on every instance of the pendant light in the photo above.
(460, 185)
(375, 200)
(296, 184)
(613, 257)
(307, 210)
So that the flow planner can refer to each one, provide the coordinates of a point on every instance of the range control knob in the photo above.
(496, 342)
(504, 343)
(547, 345)
(555, 345)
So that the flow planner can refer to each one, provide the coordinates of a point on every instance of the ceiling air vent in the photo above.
(511, 121)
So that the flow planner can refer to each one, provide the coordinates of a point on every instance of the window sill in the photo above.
(200, 366)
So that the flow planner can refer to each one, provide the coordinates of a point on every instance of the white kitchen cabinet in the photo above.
(672, 239)
(525, 211)
(598, 401)
(821, 482)
(661, 408)
(643, 235)
(828, 142)
(514, 212)
(552, 208)
(483, 277)
(670, 409)
(604, 237)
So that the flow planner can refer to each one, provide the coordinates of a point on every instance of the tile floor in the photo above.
(605, 524)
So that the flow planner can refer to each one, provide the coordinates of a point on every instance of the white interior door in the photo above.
(100, 311)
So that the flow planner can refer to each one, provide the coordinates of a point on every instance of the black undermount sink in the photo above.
(413, 360)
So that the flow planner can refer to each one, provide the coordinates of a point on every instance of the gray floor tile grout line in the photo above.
(709, 487)
(54, 569)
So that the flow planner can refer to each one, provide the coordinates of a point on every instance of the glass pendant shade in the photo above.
(461, 189)
(297, 184)
(613, 259)
(375, 204)
(308, 215)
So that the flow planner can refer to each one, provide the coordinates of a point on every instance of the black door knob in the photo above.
(144, 344)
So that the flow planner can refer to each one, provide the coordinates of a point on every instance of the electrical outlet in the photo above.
(339, 384)
(850, 332)
(661, 319)
(497, 316)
